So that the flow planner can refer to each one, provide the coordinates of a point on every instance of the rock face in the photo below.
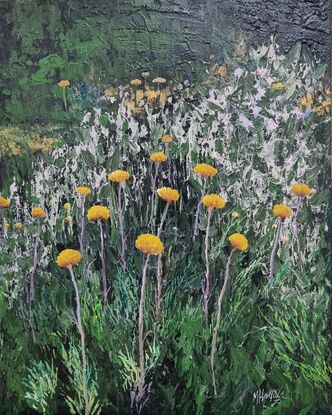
(292, 21)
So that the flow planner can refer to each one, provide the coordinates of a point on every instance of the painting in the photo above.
(164, 187)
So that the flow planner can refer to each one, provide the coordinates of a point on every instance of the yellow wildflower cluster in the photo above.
(220, 70)
(213, 201)
(68, 257)
(4, 203)
(18, 226)
(66, 206)
(149, 244)
(98, 212)
(301, 189)
(278, 86)
(306, 101)
(158, 157)
(168, 194)
(282, 211)
(38, 213)
(135, 82)
(238, 241)
(83, 190)
(205, 170)
(323, 108)
(119, 176)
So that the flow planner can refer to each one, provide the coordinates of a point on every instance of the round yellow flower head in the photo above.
(213, 201)
(167, 138)
(282, 211)
(66, 206)
(149, 244)
(38, 213)
(69, 219)
(4, 203)
(136, 82)
(68, 257)
(18, 226)
(238, 241)
(168, 194)
(6, 226)
(158, 157)
(301, 189)
(64, 83)
(278, 86)
(83, 190)
(205, 170)
(235, 214)
(98, 212)
(119, 176)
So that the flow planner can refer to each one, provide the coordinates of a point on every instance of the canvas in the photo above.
(164, 186)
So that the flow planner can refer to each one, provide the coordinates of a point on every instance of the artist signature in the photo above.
(268, 396)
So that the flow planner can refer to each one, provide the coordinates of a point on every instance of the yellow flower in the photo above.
(282, 211)
(64, 83)
(284, 239)
(166, 138)
(235, 215)
(118, 176)
(238, 241)
(83, 190)
(222, 70)
(158, 157)
(213, 201)
(136, 82)
(158, 80)
(69, 219)
(18, 225)
(205, 170)
(98, 212)
(38, 213)
(301, 189)
(66, 206)
(149, 244)
(278, 86)
(6, 226)
(68, 257)
(306, 101)
(4, 203)
(145, 74)
(168, 194)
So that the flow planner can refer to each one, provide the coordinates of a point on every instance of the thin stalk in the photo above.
(121, 216)
(82, 336)
(153, 197)
(296, 232)
(198, 209)
(274, 250)
(81, 237)
(217, 326)
(141, 332)
(163, 218)
(103, 264)
(64, 98)
(207, 269)
(34, 265)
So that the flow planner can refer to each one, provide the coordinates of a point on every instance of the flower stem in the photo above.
(141, 332)
(207, 269)
(81, 238)
(217, 326)
(82, 335)
(274, 250)
(34, 265)
(296, 232)
(121, 216)
(198, 209)
(103, 264)
(153, 197)
(64, 98)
